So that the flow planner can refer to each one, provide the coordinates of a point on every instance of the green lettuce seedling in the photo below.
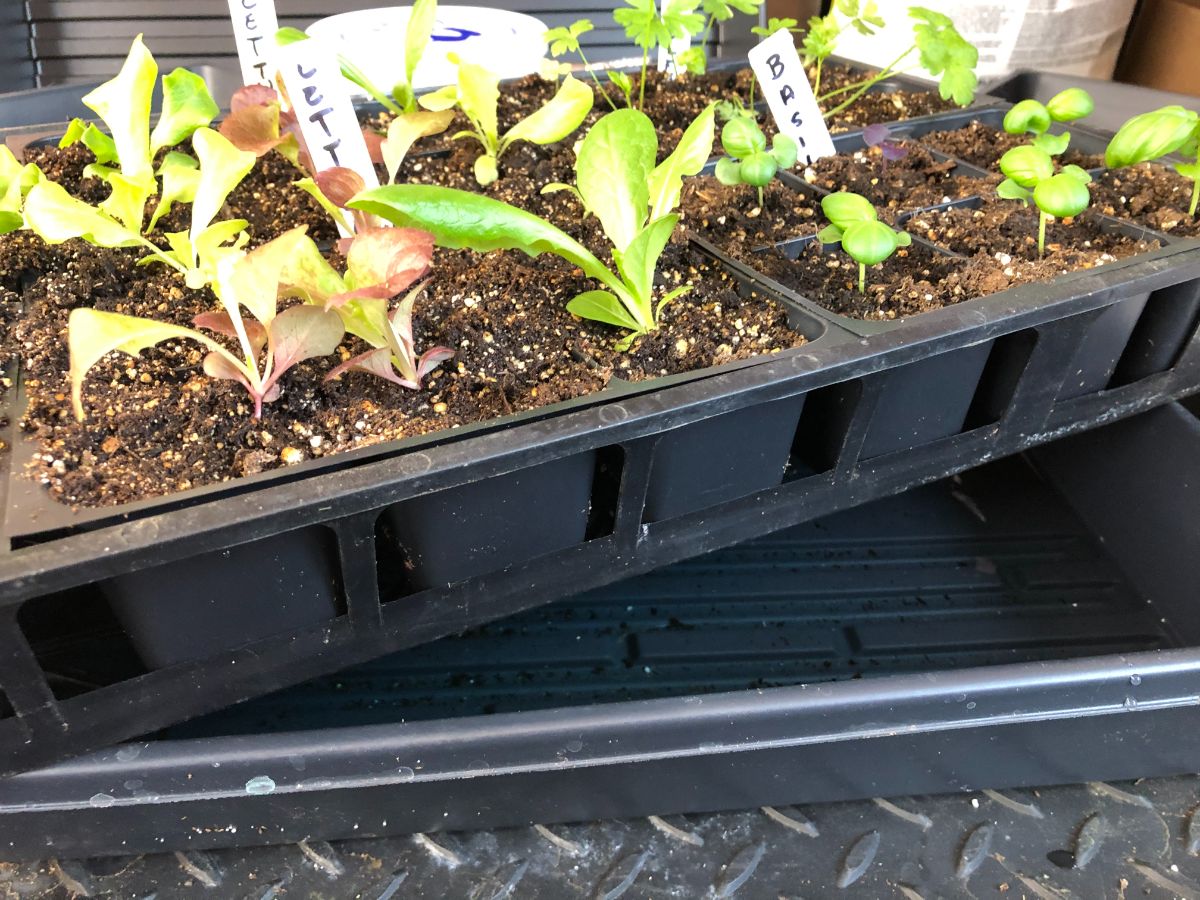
(124, 105)
(1032, 117)
(1153, 135)
(56, 216)
(748, 160)
(618, 181)
(477, 94)
(270, 342)
(417, 34)
(650, 28)
(1029, 175)
(856, 226)
(16, 181)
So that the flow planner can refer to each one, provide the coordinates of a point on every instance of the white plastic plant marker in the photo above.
(318, 96)
(507, 43)
(254, 27)
(784, 83)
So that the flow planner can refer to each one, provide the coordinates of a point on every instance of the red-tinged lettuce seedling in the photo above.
(1029, 175)
(1153, 135)
(617, 180)
(270, 342)
(16, 181)
(257, 124)
(856, 226)
(748, 161)
(56, 216)
(1032, 117)
(890, 150)
(477, 94)
(125, 156)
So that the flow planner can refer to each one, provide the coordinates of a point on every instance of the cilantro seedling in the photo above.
(477, 94)
(1032, 117)
(748, 161)
(1153, 135)
(890, 150)
(1029, 175)
(618, 181)
(823, 31)
(650, 28)
(855, 225)
(695, 59)
(566, 40)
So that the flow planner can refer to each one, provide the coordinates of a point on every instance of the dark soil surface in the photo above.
(919, 179)
(1148, 194)
(982, 146)
(731, 218)
(1005, 228)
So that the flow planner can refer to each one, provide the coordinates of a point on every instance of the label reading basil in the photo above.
(790, 97)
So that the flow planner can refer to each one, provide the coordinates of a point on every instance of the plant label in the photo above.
(317, 94)
(254, 27)
(790, 97)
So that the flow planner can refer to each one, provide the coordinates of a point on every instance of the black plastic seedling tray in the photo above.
(971, 633)
(574, 498)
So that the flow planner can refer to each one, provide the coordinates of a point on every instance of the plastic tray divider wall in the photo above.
(633, 523)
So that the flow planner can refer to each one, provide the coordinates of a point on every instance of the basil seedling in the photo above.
(619, 183)
(856, 226)
(749, 161)
(1153, 135)
(1031, 117)
(1029, 175)
(477, 94)
(889, 150)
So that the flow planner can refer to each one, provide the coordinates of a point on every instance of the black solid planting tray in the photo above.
(243, 591)
(971, 633)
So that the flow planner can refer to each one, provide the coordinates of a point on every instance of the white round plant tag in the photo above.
(507, 43)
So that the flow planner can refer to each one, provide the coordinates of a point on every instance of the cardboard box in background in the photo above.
(1162, 46)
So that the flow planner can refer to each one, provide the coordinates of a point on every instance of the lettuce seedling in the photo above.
(16, 181)
(748, 160)
(617, 180)
(257, 123)
(650, 28)
(1153, 135)
(56, 216)
(270, 342)
(1029, 175)
(566, 40)
(856, 226)
(417, 34)
(124, 105)
(1032, 117)
(889, 150)
(477, 94)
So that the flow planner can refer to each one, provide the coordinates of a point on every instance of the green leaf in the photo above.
(442, 99)
(844, 209)
(1027, 116)
(310, 187)
(405, 130)
(640, 260)
(1190, 170)
(741, 137)
(680, 19)
(728, 171)
(1080, 175)
(773, 25)
(688, 158)
(565, 112)
(1054, 144)
(1070, 104)
(1010, 190)
(1151, 135)
(723, 10)
(622, 82)
(602, 306)
(180, 175)
(124, 105)
(460, 219)
(55, 216)
(187, 105)
(869, 243)
(222, 168)
(421, 20)
(1062, 195)
(102, 146)
(478, 94)
(693, 60)
(211, 248)
(485, 169)
(830, 234)
(1027, 165)
(821, 39)
(613, 168)
(758, 169)
(10, 221)
(668, 297)
(785, 150)
(566, 40)
(555, 186)
(642, 24)
(945, 53)
(92, 334)
(73, 133)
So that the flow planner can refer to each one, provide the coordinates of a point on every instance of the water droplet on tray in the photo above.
(263, 784)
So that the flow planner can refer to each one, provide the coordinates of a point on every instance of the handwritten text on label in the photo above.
(254, 27)
(789, 95)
